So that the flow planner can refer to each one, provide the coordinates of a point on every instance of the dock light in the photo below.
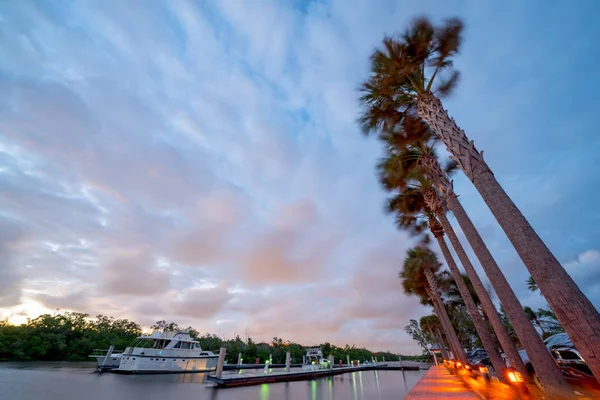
(459, 364)
(467, 366)
(484, 370)
(515, 377)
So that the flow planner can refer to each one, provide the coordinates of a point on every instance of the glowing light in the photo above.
(515, 377)
(467, 366)
(264, 391)
(458, 364)
(483, 370)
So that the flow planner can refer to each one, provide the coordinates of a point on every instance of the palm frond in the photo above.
(446, 86)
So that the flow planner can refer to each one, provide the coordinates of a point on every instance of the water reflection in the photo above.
(362, 393)
(264, 391)
(71, 383)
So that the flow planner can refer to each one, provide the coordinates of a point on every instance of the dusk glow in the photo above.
(201, 163)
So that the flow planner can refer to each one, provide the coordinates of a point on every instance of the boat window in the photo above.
(144, 343)
(185, 345)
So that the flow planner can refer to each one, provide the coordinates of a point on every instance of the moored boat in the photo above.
(314, 360)
(166, 352)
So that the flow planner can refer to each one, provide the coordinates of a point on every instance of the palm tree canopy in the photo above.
(430, 322)
(404, 153)
(532, 285)
(454, 295)
(407, 66)
(413, 277)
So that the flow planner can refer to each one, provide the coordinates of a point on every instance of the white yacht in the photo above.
(166, 352)
(314, 359)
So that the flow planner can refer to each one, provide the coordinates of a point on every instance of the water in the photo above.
(74, 381)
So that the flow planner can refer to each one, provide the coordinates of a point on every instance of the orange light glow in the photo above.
(515, 377)
(483, 370)
(458, 364)
(467, 366)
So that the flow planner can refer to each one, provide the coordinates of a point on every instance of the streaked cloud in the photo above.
(201, 162)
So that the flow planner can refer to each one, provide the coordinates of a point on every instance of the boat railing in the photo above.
(102, 352)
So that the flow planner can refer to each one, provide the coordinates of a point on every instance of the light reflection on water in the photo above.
(70, 381)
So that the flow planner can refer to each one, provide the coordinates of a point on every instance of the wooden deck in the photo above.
(439, 383)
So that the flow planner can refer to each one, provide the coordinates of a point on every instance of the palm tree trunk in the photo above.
(447, 328)
(572, 308)
(434, 295)
(486, 302)
(440, 344)
(546, 369)
(537, 258)
(480, 326)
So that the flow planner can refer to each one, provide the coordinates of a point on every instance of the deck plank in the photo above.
(439, 383)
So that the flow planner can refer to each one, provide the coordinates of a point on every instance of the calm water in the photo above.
(70, 381)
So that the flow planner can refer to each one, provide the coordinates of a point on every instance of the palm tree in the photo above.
(532, 285)
(403, 77)
(411, 204)
(413, 163)
(419, 278)
(533, 317)
(432, 325)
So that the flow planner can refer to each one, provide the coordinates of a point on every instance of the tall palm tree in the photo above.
(419, 278)
(411, 203)
(532, 285)
(413, 163)
(431, 324)
(403, 77)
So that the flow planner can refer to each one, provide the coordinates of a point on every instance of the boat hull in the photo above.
(135, 364)
(112, 362)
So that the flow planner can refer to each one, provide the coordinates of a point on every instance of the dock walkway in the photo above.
(439, 383)
(243, 378)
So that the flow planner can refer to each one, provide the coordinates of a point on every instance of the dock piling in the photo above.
(288, 361)
(221, 361)
(239, 358)
(347, 360)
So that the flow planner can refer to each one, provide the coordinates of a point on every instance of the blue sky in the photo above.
(200, 161)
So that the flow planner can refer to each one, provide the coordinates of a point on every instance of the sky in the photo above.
(200, 161)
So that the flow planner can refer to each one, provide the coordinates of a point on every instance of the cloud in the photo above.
(201, 162)
(134, 272)
(585, 271)
(12, 243)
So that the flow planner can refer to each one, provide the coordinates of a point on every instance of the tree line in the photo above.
(74, 336)
(401, 100)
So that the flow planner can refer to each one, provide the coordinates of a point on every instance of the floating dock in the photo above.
(231, 367)
(257, 378)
